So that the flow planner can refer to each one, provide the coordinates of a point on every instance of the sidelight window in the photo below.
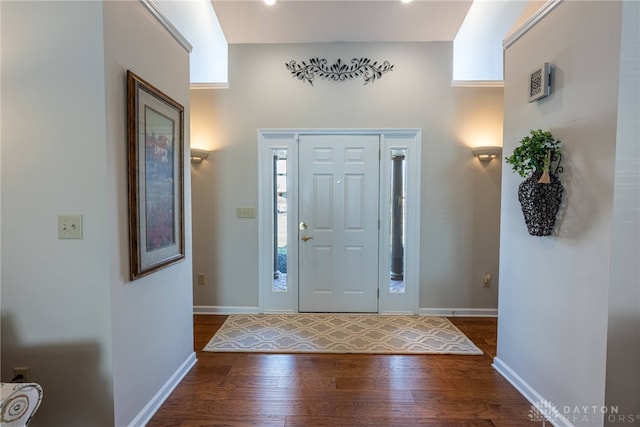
(279, 209)
(398, 220)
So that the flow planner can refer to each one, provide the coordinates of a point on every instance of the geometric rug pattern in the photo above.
(340, 333)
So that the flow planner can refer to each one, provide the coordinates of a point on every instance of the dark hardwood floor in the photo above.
(348, 390)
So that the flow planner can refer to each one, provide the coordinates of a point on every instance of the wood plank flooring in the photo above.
(344, 390)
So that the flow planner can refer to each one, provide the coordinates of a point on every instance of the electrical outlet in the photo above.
(69, 226)
(24, 373)
(246, 212)
(202, 279)
(486, 280)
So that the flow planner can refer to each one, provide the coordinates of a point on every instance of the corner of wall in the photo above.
(545, 302)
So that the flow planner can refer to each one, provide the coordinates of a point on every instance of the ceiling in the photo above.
(328, 21)
(476, 28)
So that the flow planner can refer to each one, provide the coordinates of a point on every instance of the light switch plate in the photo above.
(69, 226)
(246, 212)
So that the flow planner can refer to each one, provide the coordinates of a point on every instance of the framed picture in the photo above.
(156, 178)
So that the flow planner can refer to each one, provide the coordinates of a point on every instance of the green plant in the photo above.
(535, 149)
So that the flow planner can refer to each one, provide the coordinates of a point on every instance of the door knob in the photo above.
(305, 238)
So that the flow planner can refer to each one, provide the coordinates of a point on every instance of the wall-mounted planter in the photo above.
(540, 194)
(540, 203)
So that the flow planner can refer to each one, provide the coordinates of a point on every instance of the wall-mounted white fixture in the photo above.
(540, 82)
(485, 154)
(198, 155)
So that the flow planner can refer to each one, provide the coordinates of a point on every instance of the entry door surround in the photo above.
(271, 301)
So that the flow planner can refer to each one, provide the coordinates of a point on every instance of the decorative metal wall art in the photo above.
(339, 71)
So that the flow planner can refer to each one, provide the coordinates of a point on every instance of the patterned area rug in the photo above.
(340, 333)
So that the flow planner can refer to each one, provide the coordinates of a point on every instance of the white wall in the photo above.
(101, 347)
(197, 21)
(56, 316)
(152, 316)
(477, 48)
(552, 329)
(623, 339)
(460, 197)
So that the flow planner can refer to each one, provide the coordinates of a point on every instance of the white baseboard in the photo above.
(450, 312)
(280, 312)
(217, 309)
(529, 393)
(397, 313)
(156, 401)
(459, 312)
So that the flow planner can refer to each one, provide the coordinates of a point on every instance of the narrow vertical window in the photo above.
(279, 220)
(398, 219)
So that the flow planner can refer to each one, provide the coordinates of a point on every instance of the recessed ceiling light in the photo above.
(406, 1)
(270, 2)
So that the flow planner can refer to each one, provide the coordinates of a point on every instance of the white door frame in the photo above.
(410, 140)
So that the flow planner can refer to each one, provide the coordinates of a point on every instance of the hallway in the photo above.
(313, 390)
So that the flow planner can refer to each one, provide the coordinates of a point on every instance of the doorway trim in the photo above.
(270, 301)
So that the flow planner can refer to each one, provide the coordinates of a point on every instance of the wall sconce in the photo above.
(198, 155)
(485, 154)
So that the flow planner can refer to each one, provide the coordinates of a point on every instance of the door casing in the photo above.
(270, 301)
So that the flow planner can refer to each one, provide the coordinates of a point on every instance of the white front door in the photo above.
(338, 213)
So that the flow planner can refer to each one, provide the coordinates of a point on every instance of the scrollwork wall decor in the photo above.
(339, 71)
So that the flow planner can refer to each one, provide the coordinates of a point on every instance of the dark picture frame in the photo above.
(155, 125)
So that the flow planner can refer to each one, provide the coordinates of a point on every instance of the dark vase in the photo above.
(540, 203)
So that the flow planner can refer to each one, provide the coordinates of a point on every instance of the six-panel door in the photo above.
(338, 233)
